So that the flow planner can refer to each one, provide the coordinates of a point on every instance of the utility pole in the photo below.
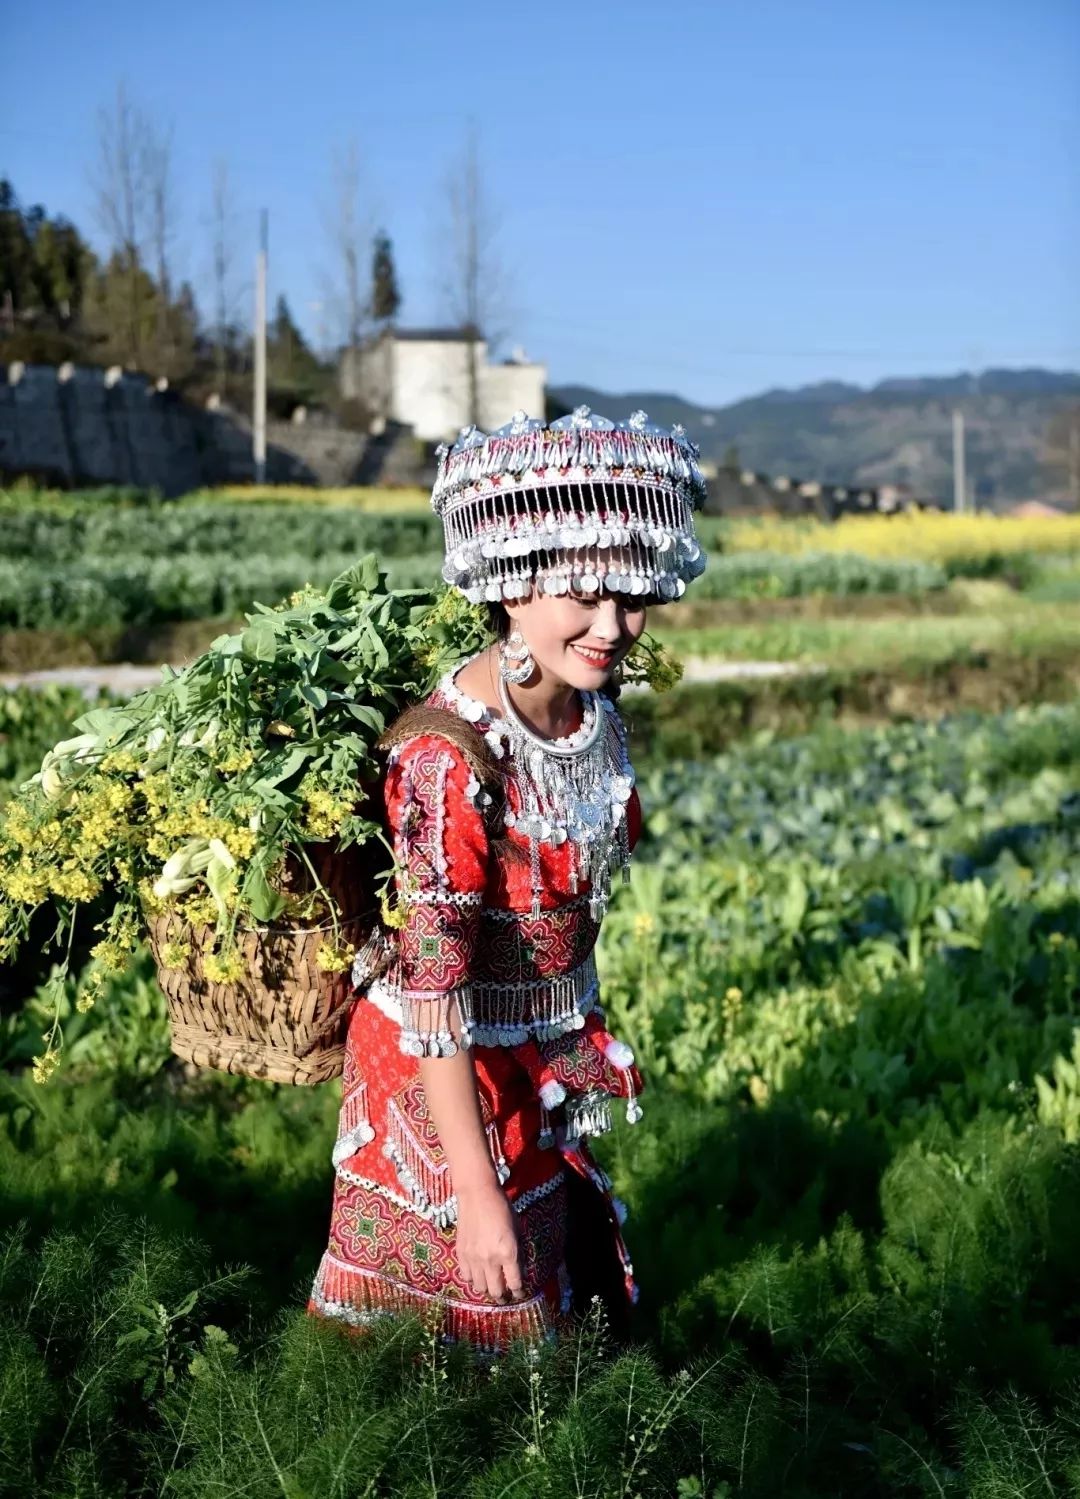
(959, 478)
(259, 423)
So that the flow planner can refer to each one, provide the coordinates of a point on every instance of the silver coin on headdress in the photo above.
(571, 489)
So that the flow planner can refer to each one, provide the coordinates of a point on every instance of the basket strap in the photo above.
(332, 1020)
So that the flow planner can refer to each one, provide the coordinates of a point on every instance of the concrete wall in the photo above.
(367, 375)
(90, 426)
(424, 384)
(506, 388)
(430, 389)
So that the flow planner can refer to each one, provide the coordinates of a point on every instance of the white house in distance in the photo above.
(420, 377)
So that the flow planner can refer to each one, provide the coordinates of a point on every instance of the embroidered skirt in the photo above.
(393, 1217)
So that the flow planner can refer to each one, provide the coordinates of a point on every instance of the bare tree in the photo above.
(223, 251)
(350, 231)
(472, 275)
(132, 181)
(119, 184)
(157, 174)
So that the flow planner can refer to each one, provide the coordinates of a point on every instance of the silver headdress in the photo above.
(578, 505)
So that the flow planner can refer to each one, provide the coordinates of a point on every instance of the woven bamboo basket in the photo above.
(285, 1020)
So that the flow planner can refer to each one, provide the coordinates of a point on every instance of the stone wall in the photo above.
(76, 426)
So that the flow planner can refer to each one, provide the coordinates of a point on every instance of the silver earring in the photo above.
(515, 662)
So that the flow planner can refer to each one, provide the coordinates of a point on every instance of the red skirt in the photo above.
(393, 1217)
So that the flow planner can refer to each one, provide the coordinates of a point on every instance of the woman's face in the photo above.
(578, 640)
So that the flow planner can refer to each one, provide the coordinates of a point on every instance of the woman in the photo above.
(478, 1063)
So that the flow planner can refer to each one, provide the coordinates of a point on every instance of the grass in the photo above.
(370, 498)
(1014, 625)
(850, 964)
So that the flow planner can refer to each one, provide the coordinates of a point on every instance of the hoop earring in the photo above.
(515, 662)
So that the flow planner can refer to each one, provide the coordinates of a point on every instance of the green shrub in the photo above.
(779, 575)
(219, 529)
(132, 589)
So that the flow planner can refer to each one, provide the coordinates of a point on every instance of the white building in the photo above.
(420, 377)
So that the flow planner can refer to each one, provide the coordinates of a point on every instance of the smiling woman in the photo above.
(479, 1063)
(563, 644)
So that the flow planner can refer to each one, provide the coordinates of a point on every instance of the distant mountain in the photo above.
(898, 431)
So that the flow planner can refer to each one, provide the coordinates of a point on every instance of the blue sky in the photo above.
(710, 198)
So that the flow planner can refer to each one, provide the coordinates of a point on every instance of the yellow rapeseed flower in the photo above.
(24, 884)
(230, 764)
(74, 884)
(200, 910)
(334, 959)
(393, 917)
(324, 812)
(929, 536)
(18, 827)
(224, 969)
(240, 842)
(111, 955)
(663, 673)
(153, 905)
(91, 992)
(96, 829)
(122, 761)
(45, 1065)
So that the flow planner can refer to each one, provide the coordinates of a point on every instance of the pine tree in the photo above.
(16, 256)
(385, 296)
(44, 264)
(121, 311)
(61, 267)
(183, 319)
(292, 368)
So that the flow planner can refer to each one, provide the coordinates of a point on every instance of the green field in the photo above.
(850, 966)
(1010, 624)
(849, 962)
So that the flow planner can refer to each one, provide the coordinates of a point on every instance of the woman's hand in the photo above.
(487, 1242)
(486, 1235)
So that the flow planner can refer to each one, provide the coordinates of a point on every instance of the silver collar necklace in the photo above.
(575, 789)
(571, 744)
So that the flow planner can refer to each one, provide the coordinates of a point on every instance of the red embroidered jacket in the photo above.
(474, 966)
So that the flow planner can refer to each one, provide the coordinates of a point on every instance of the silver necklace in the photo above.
(576, 792)
(555, 746)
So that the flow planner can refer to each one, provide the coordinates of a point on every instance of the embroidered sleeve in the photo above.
(441, 846)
